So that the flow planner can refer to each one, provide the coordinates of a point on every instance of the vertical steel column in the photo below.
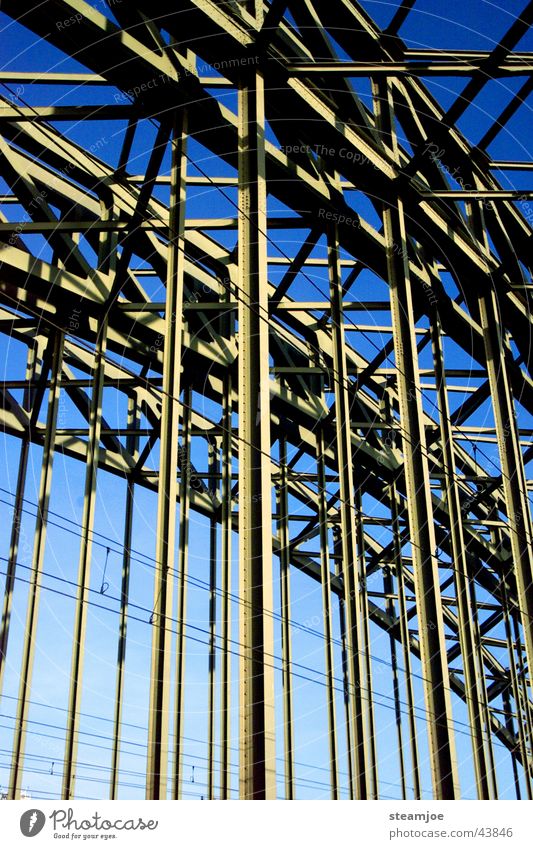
(404, 636)
(213, 473)
(106, 258)
(466, 611)
(526, 703)
(225, 587)
(512, 465)
(257, 709)
(389, 438)
(286, 652)
(364, 785)
(326, 609)
(337, 548)
(423, 541)
(13, 556)
(388, 589)
(18, 509)
(84, 568)
(32, 613)
(365, 647)
(158, 721)
(132, 444)
(515, 687)
(513, 478)
(509, 724)
(182, 578)
(485, 702)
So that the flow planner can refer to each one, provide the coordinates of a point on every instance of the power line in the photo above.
(236, 653)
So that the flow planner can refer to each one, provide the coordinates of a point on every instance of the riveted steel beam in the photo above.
(327, 611)
(317, 375)
(257, 744)
(512, 464)
(423, 542)
(358, 694)
(34, 593)
(14, 543)
(470, 645)
(80, 616)
(415, 68)
(286, 649)
(158, 731)
(133, 447)
(181, 617)
(225, 587)
(213, 449)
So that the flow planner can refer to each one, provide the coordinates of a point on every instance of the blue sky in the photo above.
(454, 25)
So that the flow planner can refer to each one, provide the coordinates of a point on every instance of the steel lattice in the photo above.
(262, 291)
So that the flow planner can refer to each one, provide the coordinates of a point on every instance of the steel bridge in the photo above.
(267, 304)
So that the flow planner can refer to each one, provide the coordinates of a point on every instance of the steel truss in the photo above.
(335, 446)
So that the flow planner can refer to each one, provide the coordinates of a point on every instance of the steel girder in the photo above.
(365, 464)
